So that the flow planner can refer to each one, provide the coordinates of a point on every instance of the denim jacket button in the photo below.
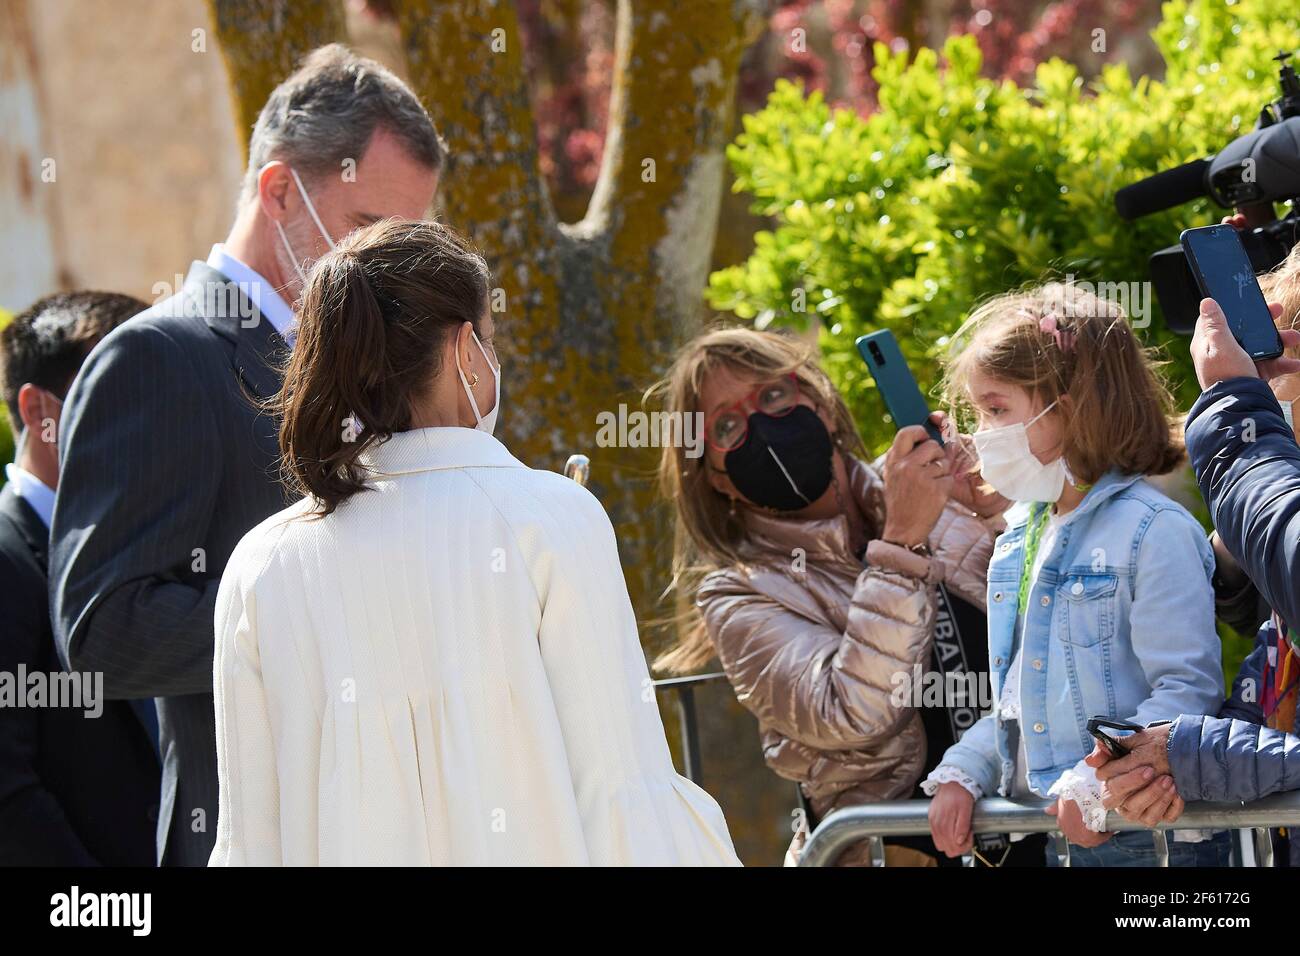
(1046, 600)
(1076, 588)
(997, 662)
(1038, 664)
(997, 596)
(1038, 728)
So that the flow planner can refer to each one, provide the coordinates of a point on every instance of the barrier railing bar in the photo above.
(845, 827)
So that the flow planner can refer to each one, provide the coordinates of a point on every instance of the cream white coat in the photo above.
(444, 671)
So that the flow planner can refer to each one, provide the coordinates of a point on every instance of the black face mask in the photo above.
(784, 463)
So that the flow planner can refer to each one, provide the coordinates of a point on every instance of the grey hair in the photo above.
(327, 112)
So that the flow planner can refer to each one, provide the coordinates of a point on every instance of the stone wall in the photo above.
(139, 126)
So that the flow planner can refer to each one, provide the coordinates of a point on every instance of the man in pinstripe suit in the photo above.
(167, 457)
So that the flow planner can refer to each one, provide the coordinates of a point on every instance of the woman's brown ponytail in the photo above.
(375, 315)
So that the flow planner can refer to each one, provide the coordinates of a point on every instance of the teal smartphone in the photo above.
(896, 383)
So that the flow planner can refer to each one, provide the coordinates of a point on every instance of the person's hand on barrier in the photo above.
(1070, 818)
(917, 485)
(950, 816)
(968, 487)
(1218, 356)
(1143, 796)
(1138, 785)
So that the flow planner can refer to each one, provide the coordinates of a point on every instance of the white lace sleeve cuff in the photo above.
(1080, 784)
(947, 773)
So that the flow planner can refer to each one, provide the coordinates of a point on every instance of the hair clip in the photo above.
(1064, 338)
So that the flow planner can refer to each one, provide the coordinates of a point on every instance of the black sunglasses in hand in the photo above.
(1097, 726)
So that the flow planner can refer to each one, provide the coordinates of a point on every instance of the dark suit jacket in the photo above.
(75, 790)
(166, 461)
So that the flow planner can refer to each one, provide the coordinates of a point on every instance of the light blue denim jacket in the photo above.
(1120, 624)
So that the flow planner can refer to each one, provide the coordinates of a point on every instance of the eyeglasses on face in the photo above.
(727, 429)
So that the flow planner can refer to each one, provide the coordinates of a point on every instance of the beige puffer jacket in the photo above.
(813, 653)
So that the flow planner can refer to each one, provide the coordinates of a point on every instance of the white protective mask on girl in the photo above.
(488, 422)
(1012, 469)
(284, 239)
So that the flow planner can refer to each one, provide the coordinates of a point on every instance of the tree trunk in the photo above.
(261, 42)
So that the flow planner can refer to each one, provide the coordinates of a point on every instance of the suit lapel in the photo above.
(260, 355)
(260, 352)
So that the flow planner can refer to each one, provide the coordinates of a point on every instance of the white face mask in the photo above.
(284, 239)
(1012, 469)
(1287, 413)
(488, 422)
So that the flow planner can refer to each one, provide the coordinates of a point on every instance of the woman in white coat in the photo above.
(431, 658)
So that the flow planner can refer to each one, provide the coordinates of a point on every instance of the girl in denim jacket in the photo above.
(1099, 595)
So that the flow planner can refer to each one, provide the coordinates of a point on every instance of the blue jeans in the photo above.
(1134, 848)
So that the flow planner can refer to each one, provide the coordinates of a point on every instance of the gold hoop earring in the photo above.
(475, 379)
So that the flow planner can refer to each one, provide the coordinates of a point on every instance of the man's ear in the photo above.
(29, 407)
(273, 187)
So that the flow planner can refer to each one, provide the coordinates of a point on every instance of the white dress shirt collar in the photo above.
(258, 290)
(32, 490)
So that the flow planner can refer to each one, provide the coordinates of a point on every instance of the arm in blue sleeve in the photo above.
(1248, 465)
(1215, 758)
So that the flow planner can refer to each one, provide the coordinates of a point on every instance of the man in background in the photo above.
(168, 456)
(78, 785)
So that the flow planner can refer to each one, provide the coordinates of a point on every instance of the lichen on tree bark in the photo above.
(261, 42)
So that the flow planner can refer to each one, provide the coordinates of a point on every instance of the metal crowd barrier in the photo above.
(578, 467)
(875, 821)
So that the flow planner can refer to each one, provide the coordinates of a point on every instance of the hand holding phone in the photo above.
(1224, 274)
(896, 383)
(1217, 356)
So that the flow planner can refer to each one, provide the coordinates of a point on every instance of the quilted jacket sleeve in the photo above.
(1248, 465)
(1219, 758)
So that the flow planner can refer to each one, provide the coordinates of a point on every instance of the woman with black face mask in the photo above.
(834, 592)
